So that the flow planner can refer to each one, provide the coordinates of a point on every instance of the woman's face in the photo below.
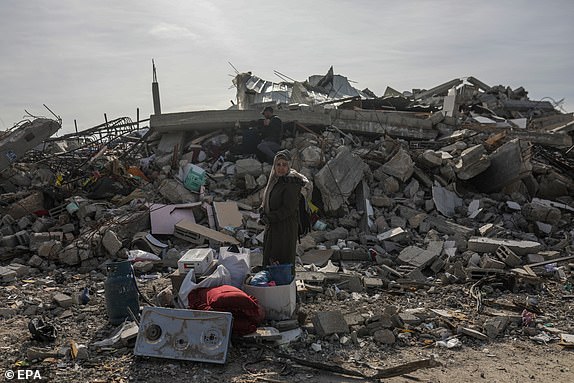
(281, 167)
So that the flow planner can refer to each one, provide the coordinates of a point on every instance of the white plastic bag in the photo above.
(219, 277)
(238, 269)
(142, 256)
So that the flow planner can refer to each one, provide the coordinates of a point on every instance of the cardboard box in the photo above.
(279, 301)
(177, 279)
(197, 259)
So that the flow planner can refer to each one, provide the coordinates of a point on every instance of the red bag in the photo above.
(247, 313)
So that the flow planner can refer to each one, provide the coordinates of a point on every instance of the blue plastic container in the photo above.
(281, 274)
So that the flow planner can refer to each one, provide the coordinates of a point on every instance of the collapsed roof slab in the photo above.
(440, 89)
(223, 119)
(376, 122)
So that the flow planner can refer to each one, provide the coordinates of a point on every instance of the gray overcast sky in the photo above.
(84, 59)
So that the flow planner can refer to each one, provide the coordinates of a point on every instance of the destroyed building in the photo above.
(464, 184)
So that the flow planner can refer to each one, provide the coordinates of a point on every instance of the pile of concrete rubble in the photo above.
(462, 183)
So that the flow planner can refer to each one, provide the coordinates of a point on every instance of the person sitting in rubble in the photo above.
(280, 211)
(271, 129)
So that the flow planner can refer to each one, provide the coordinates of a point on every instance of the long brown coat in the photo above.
(282, 231)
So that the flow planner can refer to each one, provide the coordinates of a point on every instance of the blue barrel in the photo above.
(121, 292)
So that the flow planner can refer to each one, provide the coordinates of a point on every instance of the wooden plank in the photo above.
(184, 227)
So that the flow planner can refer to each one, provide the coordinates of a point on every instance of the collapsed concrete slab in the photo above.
(400, 166)
(508, 164)
(445, 200)
(26, 137)
(338, 178)
(400, 125)
(490, 245)
(227, 119)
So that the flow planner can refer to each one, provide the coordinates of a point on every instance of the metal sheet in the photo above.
(201, 336)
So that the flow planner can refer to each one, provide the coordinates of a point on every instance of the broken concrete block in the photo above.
(49, 249)
(23, 238)
(250, 182)
(384, 337)
(445, 200)
(175, 192)
(537, 212)
(400, 166)
(261, 180)
(416, 220)
(111, 242)
(6, 230)
(508, 163)
(371, 283)
(416, 275)
(338, 233)
(339, 178)
(489, 245)
(248, 166)
(507, 256)
(409, 254)
(354, 319)
(87, 210)
(69, 255)
(68, 228)
(7, 275)
(381, 224)
(513, 205)
(390, 185)
(473, 161)
(378, 322)
(543, 228)
(35, 261)
(486, 262)
(397, 221)
(311, 156)
(129, 334)
(10, 241)
(63, 300)
(430, 159)
(353, 284)
(23, 207)
(410, 319)
(41, 225)
(21, 270)
(493, 327)
(170, 258)
(330, 322)
(38, 239)
(486, 229)
(420, 258)
(411, 189)
(397, 234)
(23, 223)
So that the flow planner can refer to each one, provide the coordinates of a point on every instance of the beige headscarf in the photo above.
(306, 189)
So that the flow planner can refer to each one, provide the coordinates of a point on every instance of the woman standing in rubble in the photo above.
(280, 210)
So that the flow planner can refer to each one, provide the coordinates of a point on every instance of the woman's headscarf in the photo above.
(306, 189)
